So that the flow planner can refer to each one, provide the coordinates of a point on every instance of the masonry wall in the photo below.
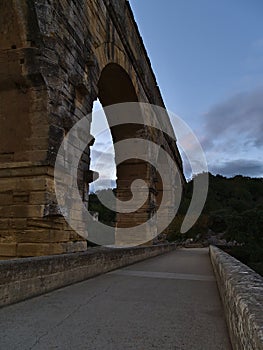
(26, 228)
(241, 291)
(52, 54)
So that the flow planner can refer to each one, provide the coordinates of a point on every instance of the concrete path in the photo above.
(167, 302)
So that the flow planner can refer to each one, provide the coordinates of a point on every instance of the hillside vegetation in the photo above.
(234, 209)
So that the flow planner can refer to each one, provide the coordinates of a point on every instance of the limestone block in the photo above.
(18, 223)
(4, 224)
(6, 197)
(38, 197)
(8, 249)
(42, 236)
(22, 211)
(7, 237)
(38, 249)
(20, 197)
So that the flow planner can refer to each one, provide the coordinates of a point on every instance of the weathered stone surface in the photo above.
(241, 290)
(8, 249)
(25, 278)
(56, 59)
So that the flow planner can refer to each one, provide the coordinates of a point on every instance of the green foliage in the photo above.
(106, 215)
(234, 206)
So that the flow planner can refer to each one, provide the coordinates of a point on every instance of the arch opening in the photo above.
(114, 87)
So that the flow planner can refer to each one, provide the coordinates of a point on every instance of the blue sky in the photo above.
(207, 56)
(202, 51)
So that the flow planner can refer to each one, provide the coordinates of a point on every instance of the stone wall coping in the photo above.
(27, 277)
(241, 290)
(34, 265)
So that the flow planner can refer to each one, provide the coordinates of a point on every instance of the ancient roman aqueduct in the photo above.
(57, 58)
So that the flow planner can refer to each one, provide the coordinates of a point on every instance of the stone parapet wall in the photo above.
(241, 291)
(24, 278)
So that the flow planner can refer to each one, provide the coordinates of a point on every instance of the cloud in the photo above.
(104, 144)
(102, 156)
(233, 135)
(102, 184)
(237, 121)
(104, 164)
(246, 167)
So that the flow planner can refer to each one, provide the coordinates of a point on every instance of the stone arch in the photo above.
(115, 86)
(52, 71)
(118, 57)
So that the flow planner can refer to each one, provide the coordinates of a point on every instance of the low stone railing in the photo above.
(24, 278)
(241, 291)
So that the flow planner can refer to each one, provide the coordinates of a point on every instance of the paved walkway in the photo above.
(168, 302)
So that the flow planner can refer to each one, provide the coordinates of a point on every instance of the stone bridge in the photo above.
(56, 59)
(171, 301)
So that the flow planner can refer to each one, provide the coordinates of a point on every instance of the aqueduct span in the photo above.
(57, 58)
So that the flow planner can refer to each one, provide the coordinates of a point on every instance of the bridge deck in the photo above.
(168, 302)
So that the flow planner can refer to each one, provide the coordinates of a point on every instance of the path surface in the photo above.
(167, 302)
